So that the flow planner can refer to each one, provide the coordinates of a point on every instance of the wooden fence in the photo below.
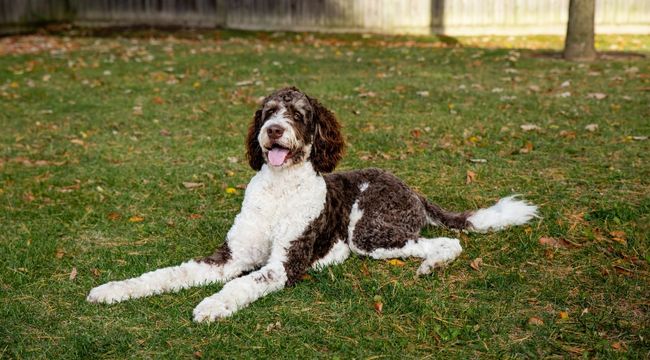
(452, 17)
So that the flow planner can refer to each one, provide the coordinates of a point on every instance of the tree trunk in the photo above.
(579, 43)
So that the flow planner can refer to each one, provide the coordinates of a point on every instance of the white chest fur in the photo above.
(278, 206)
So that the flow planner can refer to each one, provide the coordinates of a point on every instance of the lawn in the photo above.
(123, 154)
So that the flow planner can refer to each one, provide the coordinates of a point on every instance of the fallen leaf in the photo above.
(195, 216)
(158, 100)
(379, 305)
(617, 345)
(192, 185)
(306, 277)
(95, 272)
(563, 315)
(554, 243)
(244, 83)
(528, 147)
(28, 197)
(274, 326)
(534, 88)
(78, 142)
(368, 94)
(591, 127)
(198, 354)
(114, 216)
(597, 96)
(618, 236)
(535, 321)
(59, 253)
(231, 190)
(568, 134)
(136, 219)
(137, 110)
(416, 133)
(396, 262)
(476, 263)
(530, 127)
(165, 132)
(470, 177)
(73, 273)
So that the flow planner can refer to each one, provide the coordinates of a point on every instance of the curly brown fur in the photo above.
(253, 148)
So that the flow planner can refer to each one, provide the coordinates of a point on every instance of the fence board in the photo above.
(454, 17)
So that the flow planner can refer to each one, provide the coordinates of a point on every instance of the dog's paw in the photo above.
(213, 308)
(108, 293)
(446, 251)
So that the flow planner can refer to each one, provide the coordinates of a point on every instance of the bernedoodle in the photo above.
(296, 216)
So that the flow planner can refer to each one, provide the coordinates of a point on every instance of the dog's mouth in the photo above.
(278, 155)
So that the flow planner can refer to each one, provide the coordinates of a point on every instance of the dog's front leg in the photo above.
(220, 267)
(285, 267)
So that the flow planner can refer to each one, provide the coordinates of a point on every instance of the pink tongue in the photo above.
(277, 156)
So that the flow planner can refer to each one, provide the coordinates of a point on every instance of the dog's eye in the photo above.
(297, 116)
(269, 112)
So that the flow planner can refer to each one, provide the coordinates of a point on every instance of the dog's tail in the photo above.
(506, 212)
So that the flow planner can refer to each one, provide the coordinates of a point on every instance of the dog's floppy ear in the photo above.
(253, 148)
(328, 145)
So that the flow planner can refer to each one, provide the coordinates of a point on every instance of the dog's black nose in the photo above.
(275, 131)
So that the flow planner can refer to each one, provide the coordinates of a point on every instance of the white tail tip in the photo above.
(506, 212)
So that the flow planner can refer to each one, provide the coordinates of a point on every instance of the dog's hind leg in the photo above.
(435, 252)
(219, 267)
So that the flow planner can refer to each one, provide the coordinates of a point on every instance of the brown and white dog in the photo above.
(295, 217)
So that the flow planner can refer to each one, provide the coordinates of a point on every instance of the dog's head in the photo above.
(290, 128)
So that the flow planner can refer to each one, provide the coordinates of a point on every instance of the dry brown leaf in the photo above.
(597, 96)
(535, 321)
(476, 263)
(618, 236)
(136, 219)
(555, 243)
(59, 253)
(617, 345)
(78, 142)
(416, 133)
(470, 177)
(379, 305)
(306, 277)
(95, 272)
(195, 216)
(528, 147)
(192, 185)
(28, 197)
(73, 273)
(114, 216)
(158, 100)
(563, 315)
(530, 127)
(568, 134)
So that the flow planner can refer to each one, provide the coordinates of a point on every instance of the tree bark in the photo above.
(579, 42)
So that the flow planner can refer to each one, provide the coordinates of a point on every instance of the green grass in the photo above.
(111, 128)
